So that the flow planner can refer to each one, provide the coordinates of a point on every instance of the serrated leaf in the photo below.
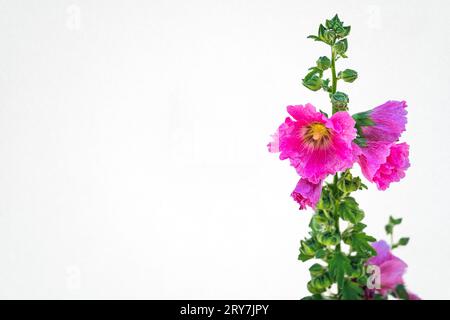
(339, 265)
(349, 210)
(360, 242)
(351, 290)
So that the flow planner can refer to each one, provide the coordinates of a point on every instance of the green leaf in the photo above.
(389, 228)
(394, 221)
(339, 265)
(349, 210)
(351, 291)
(360, 242)
(403, 241)
(316, 38)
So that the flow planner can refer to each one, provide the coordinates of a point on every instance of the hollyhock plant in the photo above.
(323, 149)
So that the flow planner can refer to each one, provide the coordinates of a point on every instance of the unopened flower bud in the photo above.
(313, 83)
(313, 288)
(339, 100)
(323, 63)
(329, 36)
(328, 238)
(341, 47)
(348, 75)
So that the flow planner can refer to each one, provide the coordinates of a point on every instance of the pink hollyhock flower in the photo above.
(315, 145)
(384, 123)
(392, 268)
(381, 160)
(307, 193)
(393, 170)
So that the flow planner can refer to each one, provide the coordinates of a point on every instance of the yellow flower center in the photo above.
(317, 135)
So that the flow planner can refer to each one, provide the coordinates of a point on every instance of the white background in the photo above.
(133, 134)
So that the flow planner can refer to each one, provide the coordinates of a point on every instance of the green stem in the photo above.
(392, 237)
(333, 71)
(336, 219)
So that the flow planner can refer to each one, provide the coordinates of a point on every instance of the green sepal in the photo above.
(363, 119)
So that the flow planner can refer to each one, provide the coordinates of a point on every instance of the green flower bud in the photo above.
(328, 238)
(320, 223)
(313, 82)
(329, 36)
(313, 288)
(307, 249)
(321, 282)
(339, 100)
(341, 47)
(348, 75)
(323, 63)
(316, 270)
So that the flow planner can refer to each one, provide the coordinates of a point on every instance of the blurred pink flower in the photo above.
(315, 145)
(392, 268)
